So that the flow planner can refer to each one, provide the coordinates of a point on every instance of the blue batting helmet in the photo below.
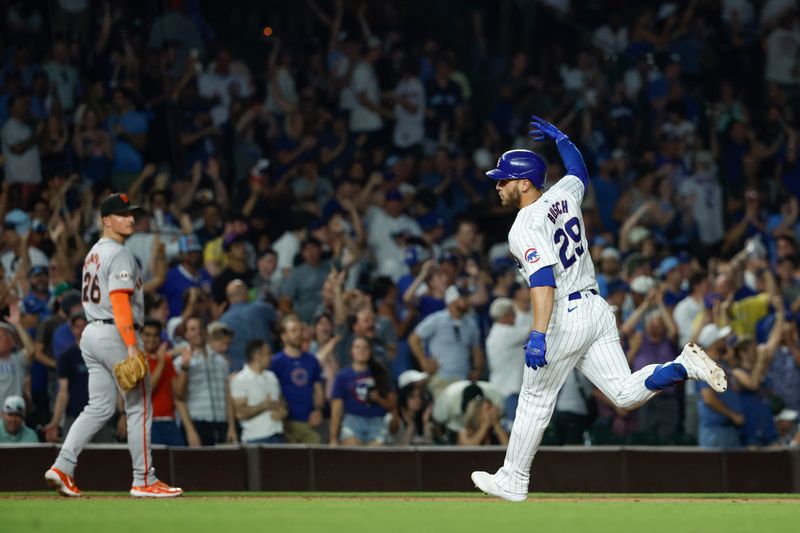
(520, 165)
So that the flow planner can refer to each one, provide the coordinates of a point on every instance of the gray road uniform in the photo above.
(110, 267)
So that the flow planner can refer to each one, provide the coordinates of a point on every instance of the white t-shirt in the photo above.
(612, 41)
(447, 407)
(380, 228)
(684, 314)
(409, 129)
(364, 80)
(285, 84)
(256, 388)
(10, 261)
(286, 247)
(213, 84)
(707, 207)
(25, 167)
(506, 356)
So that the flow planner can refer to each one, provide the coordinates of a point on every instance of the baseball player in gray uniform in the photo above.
(113, 301)
(572, 325)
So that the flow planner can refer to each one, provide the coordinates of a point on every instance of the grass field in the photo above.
(378, 512)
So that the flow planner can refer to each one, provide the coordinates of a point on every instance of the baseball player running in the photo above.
(572, 325)
(113, 301)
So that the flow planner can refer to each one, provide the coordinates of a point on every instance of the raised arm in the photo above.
(573, 161)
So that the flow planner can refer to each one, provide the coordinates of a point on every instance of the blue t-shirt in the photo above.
(671, 299)
(126, 157)
(297, 376)
(710, 418)
(177, 282)
(429, 305)
(63, 339)
(353, 388)
(72, 366)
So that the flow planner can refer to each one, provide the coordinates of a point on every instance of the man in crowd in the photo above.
(257, 400)
(248, 320)
(13, 430)
(454, 349)
(164, 385)
(300, 378)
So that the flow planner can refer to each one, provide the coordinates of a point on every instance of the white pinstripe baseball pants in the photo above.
(586, 337)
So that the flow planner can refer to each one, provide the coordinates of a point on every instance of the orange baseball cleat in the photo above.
(159, 489)
(64, 484)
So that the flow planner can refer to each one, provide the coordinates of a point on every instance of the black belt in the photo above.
(577, 294)
(137, 327)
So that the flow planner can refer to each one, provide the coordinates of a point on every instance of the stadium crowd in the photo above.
(324, 259)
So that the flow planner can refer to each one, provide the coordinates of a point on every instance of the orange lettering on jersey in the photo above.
(92, 259)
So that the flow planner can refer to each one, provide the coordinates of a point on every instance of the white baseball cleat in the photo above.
(485, 482)
(701, 367)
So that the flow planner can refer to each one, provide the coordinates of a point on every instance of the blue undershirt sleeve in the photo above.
(544, 277)
(573, 159)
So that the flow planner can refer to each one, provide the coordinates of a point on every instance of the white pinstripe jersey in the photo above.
(550, 231)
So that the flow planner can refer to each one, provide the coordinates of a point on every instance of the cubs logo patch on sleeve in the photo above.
(531, 255)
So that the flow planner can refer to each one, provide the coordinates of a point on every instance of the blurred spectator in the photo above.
(21, 139)
(366, 113)
(221, 85)
(571, 417)
(654, 345)
(687, 310)
(301, 384)
(447, 343)
(185, 275)
(18, 251)
(164, 385)
(64, 76)
(13, 360)
(482, 425)
(786, 425)
(720, 414)
(129, 130)
(267, 282)
(73, 389)
(784, 368)
(93, 147)
(248, 321)
(302, 290)
(14, 429)
(502, 352)
(412, 423)
(257, 399)
(409, 108)
(202, 390)
(425, 294)
(449, 407)
(362, 396)
(236, 255)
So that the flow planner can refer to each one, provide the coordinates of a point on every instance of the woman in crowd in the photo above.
(361, 398)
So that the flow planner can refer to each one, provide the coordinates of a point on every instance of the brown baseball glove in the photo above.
(130, 371)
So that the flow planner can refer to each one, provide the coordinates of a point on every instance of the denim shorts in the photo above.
(365, 428)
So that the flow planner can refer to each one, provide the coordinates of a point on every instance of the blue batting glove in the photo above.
(535, 350)
(541, 130)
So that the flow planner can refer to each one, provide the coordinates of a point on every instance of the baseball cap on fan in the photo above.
(711, 333)
(117, 204)
(14, 405)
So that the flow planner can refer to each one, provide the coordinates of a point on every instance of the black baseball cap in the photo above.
(117, 204)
